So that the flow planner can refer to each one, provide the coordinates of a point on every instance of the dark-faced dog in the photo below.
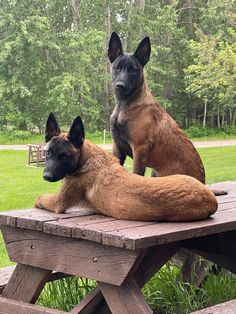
(94, 179)
(142, 129)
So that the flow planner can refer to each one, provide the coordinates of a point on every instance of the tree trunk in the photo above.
(107, 87)
(205, 113)
(218, 116)
(129, 15)
(141, 9)
(75, 18)
(223, 119)
(233, 118)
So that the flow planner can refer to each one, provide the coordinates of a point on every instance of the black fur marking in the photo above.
(128, 72)
(59, 161)
(52, 128)
(120, 134)
(76, 133)
(114, 47)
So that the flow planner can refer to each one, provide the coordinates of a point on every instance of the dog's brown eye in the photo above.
(48, 153)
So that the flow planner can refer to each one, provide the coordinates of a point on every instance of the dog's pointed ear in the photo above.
(52, 128)
(143, 51)
(76, 133)
(114, 47)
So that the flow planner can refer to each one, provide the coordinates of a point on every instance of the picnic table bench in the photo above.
(120, 255)
(36, 154)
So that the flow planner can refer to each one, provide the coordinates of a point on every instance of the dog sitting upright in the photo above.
(140, 128)
(94, 179)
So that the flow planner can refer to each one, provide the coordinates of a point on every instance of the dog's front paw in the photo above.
(38, 202)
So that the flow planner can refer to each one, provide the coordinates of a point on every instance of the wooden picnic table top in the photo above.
(132, 235)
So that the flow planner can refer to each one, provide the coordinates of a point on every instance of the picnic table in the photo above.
(120, 255)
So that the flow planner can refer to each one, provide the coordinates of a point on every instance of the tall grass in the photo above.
(166, 294)
(64, 294)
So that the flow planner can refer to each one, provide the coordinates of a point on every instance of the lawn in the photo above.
(20, 185)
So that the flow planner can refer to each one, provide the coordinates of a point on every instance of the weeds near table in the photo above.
(64, 294)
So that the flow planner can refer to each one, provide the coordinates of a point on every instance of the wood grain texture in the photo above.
(67, 227)
(70, 256)
(91, 303)
(34, 218)
(125, 299)
(152, 261)
(222, 308)
(6, 272)
(15, 307)
(26, 283)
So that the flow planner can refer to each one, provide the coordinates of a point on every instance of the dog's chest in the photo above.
(120, 131)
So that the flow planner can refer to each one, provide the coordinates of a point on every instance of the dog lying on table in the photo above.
(94, 179)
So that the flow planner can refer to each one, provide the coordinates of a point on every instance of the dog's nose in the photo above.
(120, 86)
(48, 177)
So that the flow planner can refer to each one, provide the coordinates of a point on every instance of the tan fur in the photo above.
(156, 139)
(104, 186)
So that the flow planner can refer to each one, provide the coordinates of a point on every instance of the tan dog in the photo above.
(140, 128)
(94, 179)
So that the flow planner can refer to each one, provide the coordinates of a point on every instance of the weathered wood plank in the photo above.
(225, 308)
(94, 232)
(126, 299)
(162, 233)
(227, 205)
(64, 227)
(8, 306)
(223, 243)
(6, 272)
(153, 260)
(34, 218)
(70, 256)
(91, 303)
(136, 234)
(26, 283)
(226, 185)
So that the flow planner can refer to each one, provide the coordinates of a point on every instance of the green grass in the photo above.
(214, 137)
(20, 185)
(220, 163)
(26, 137)
(166, 294)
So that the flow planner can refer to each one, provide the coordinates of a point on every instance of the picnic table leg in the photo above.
(26, 283)
(125, 299)
(150, 263)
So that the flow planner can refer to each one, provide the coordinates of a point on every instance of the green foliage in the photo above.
(64, 294)
(54, 58)
(27, 137)
(201, 132)
(166, 294)
(20, 137)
